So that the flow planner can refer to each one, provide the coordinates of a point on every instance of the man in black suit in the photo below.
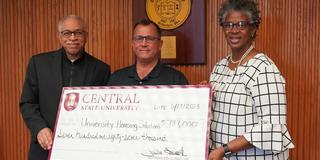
(48, 72)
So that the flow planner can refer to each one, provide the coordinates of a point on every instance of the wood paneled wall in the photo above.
(29, 27)
(289, 34)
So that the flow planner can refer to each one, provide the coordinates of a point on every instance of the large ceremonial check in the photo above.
(136, 123)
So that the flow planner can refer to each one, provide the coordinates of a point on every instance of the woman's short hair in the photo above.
(247, 6)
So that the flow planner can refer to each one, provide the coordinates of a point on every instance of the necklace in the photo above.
(222, 76)
(243, 56)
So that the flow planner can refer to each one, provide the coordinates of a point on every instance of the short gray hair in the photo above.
(247, 6)
(72, 16)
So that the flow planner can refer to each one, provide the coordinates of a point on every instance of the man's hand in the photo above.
(44, 138)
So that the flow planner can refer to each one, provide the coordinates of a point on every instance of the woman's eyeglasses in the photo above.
(239, 25)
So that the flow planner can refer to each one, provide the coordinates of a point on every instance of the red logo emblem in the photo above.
(71, 101)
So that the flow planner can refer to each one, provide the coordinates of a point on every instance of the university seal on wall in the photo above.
(168, 14)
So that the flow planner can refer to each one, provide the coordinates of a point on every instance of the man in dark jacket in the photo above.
(48, 72)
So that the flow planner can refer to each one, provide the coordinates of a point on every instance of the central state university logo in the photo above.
(168, 14)
(71, 101)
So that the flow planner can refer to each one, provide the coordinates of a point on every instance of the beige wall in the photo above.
(289, 34)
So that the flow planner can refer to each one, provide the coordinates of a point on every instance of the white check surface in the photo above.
(136, 123)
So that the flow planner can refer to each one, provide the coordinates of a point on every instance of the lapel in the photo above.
(87, 73)
(56, 66)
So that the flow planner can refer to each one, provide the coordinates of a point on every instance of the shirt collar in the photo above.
(155, 72)
(65, 57)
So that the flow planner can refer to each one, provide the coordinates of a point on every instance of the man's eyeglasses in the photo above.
(77, 33)
(148, 39)
(239, 25)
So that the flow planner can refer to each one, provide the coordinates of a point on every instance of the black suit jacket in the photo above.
(42, 88)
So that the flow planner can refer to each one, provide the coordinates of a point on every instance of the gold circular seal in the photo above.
(168, 14)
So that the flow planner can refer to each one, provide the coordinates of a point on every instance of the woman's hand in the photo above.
(216, 154)
(204, 82)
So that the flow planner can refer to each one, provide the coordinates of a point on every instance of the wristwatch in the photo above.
(227, 152)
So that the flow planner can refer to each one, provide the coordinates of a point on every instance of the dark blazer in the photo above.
(42, 88)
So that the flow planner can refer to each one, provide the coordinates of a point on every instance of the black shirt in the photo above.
(73, 73)
(161, 74)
